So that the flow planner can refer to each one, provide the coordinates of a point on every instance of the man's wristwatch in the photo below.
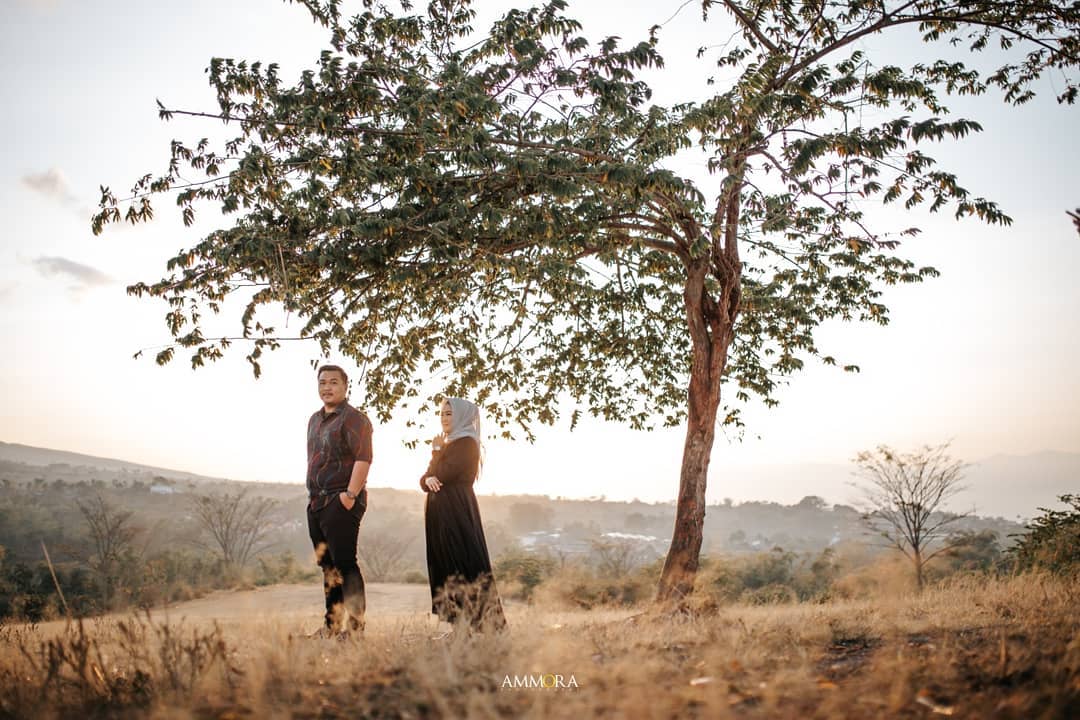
(351, 494)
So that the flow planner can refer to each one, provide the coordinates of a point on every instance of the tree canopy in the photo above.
(506, 210)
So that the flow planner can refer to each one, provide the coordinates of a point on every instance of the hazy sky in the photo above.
(985, 355)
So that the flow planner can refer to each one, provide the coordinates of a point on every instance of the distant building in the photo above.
(553, 542)
(630, 536)
(560, 543)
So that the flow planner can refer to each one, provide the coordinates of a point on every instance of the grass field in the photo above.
(976, 648)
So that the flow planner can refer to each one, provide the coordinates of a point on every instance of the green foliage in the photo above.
(502, 211)
(25, 520)
(28, 591)
(777, 576)
(615, 571)
(1052, 540)
(521, 572)
(971, 551)
(580, 585)
(283, 568)
(177, 575)
(103, 559)
(587, 591)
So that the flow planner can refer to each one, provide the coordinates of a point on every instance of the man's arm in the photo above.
(358, 435)
(358, 479)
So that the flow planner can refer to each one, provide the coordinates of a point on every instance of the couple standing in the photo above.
(339, 458)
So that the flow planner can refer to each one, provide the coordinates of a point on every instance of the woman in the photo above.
(459, 568)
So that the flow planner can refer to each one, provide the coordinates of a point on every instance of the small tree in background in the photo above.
(616, 557)
(905, 494)
(236, 523)
(522, 572)
(383, 553)
(112, 545)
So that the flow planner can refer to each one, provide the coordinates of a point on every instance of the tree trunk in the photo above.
(711, 335)
(681, 565)
(919, 563)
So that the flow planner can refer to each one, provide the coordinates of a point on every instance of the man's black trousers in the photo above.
(333, 530)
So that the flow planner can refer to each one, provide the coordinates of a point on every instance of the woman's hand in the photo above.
(432, 483)
(347, 501)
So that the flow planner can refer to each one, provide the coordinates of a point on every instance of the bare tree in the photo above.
(904, 494)
(615, 557)
(112, 539)
(237, 524)
(382, 554)
(1076, 219)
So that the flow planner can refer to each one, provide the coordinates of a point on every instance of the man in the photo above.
(339, 457)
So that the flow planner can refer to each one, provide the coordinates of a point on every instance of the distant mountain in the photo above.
(28, 455)
(1007, 486)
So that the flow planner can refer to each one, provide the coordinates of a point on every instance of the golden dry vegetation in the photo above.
(975, 647)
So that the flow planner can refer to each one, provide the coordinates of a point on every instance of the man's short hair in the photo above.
(332, 368)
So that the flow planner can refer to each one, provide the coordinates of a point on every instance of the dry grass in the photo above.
(976, 648)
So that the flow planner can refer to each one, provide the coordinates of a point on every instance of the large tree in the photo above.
(506, 211)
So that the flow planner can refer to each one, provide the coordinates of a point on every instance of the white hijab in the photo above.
(466, 421)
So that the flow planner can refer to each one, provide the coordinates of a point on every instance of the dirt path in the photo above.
(298, 606)
(299, 600)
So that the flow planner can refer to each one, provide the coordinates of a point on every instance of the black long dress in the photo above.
(459, 568)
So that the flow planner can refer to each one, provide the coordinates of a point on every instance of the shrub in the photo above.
(282, 568)
(774, 594)
(777, 576)
(885, 575)
(1052, 541)
(415, 577)
(519, 573)
(969, 551)
(579, 586)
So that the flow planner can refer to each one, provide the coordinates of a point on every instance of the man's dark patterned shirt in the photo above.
(335, 441)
